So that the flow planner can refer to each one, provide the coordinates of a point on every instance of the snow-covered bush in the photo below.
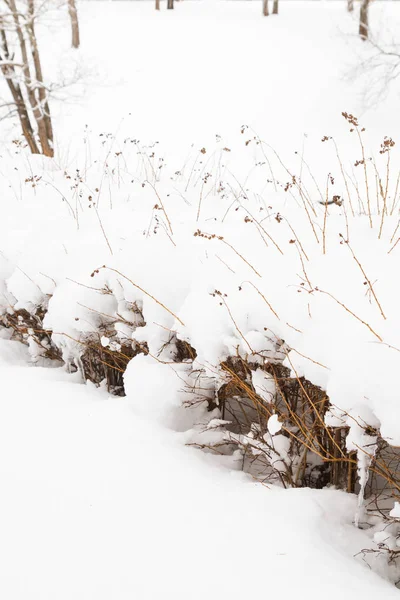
(263, 297)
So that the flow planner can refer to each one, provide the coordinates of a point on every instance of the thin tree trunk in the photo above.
(45, 128)
(73, 13)
(275, 8)
(350, 5)
(28, 92)
(10, 76)
(265, 8)
(26, 126)
(170, 4)
(37, 108)
(157, 4)
(364, 22)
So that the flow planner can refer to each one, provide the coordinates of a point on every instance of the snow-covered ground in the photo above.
(180, 77)
(100, 498)
(98, 503)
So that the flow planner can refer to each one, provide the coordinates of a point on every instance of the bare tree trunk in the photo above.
(30, 86)
(157, 4)
(364, 22)
(350, 5)
(27, 87)
(15, 89)
(275, 8)
(170, 4)
(73, 13)
(44, 122)
(265, 8)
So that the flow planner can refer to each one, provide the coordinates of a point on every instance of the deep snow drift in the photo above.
(211, 237)
(98, 503)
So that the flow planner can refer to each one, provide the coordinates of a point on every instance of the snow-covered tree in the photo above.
(21, 66)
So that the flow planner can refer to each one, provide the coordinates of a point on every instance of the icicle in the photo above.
(366, 448)
(363, 466)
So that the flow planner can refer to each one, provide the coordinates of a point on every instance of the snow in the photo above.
(163, 215)
(216, 66)
(274, 426)
(396, 510)
(98, 502)
(264, 384)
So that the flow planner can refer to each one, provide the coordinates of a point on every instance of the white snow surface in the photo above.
(100, 497)
(97, 503)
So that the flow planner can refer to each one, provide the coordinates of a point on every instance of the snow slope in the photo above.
(98, 503)
(206, 68)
